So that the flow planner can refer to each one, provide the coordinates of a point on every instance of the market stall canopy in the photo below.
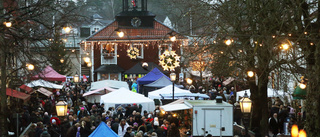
(98, 91)
(43, 83)
(103, 131)
(138, 69)
(161, 82)
(299, 93)
(95, 95)
(156, 94)
(109, 83)
(228, 81)
(205, 74)
(125, 96)
(49, 74)
(175, 105)
(185, 95)
(152, 76)
(111, 68)
(17, 94)
(45, 92)
(271, 93)
(26, 88)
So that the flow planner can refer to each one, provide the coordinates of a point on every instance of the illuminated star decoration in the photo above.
(169, 60)
(133, 52)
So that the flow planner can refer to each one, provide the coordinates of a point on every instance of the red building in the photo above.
(143, 36)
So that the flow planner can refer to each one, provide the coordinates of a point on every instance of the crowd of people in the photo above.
(82, 119)
(127, 121)
(282, 117)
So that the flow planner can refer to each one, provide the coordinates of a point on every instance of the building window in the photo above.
(108, 50)
(84, 32)
(114, 76)
(162, 48)
(140, 47)
(104, 76)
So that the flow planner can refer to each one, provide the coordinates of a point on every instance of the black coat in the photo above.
(127, 135)
(64, 128)
(54, 131)
(115, 127)
(274, 125)
(46, 119)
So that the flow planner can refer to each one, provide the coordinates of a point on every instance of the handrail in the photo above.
(26, 131)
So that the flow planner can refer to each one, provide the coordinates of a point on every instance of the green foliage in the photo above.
(56, 52)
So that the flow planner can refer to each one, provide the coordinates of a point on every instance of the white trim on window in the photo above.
(162, 48)
(140, 47)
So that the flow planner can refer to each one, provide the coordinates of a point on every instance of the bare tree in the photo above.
(257, 29)
(26, 41)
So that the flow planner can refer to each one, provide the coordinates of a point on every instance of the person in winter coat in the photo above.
(122, 129)
(54, 129)
(115, 125)
(129, 130)
(274, 124)
(46, 118)
(134, 87)
(45, 133)
(173, 131)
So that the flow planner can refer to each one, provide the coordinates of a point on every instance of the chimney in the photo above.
(218, 99)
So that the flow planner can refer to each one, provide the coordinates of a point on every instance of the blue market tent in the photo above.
(103, 131)
(160, 83)
(152, 76)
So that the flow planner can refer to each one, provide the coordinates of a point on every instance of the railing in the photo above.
(26, 131)
(237, 130)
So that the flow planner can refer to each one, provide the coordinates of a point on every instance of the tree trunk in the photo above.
(312, 104)
(256, 109)
(3, 97)
(263, 89)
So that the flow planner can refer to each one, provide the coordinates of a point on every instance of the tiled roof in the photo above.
(158, 32)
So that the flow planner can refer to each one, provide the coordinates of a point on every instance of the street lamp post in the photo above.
(245, 105)
(76, 80)
(173, 79)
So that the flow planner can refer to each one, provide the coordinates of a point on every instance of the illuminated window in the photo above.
(140, 47)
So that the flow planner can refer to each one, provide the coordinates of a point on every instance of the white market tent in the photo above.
(175, 105)
(156, 94)
(271, 93)
(97, 89)
(43, 83)
(125, 96)
(109, 83)
(204, 74)
(95, 95)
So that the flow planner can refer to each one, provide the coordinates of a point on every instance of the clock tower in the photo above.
(135, 15)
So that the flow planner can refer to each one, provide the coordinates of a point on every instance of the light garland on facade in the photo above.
(169, 60)
(133, 52)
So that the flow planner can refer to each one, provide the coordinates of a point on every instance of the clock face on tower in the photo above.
(135, 22)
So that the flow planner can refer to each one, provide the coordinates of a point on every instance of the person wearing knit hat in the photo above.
(53, 121)
(154, 134)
